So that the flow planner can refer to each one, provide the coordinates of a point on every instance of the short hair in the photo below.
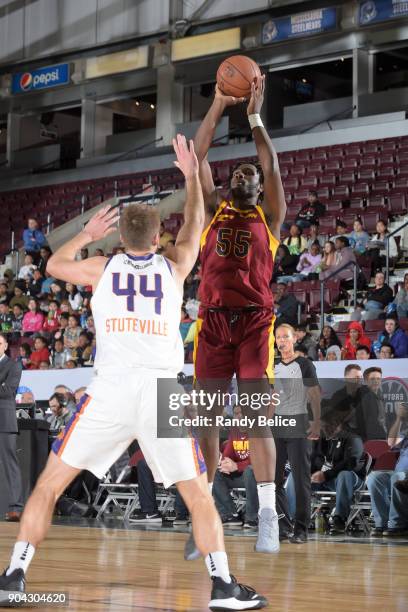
(369, 371)
(43, 340)
(138, 224)
(351, 366)
(340, 223)
(386, 345)
(363, 347)
(257, 165)
(287, 326)
(4, 336)
(61, 399)
(344, 240)
(313, 192)
(301, 327)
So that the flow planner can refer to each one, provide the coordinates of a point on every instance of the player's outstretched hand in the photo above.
(187, 160)
(101, 224)
(227, 100)
(257, 96)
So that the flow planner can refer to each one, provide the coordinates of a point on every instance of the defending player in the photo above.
(136, 305)
(236, 318)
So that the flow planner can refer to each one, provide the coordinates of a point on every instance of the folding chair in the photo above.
(360, 508)
(121, 495)
(239, 497)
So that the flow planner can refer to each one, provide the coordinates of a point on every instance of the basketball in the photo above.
(236, 75)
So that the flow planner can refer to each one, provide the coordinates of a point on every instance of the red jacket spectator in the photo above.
(40, 353)
(355, 337)
(52, 322)
(237, 449)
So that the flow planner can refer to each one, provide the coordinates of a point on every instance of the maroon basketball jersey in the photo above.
(237, 255)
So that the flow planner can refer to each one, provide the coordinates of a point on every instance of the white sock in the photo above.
(210, 486)
(266, 495)
(23, 553)
(217, 565)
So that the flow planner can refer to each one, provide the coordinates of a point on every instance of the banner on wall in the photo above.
(43, 78)
(302, 24)
(375, 11)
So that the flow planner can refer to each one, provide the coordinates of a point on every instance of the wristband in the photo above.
(255, 121)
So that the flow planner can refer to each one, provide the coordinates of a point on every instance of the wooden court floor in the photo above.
(116, 570)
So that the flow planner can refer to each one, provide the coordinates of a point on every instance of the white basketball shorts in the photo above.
(118, 407)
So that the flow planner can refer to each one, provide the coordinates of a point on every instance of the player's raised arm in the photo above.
(187, 246)
(274, 195)
(62, 263)
(203, 140)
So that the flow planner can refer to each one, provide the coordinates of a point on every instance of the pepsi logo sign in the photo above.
(42, 78)
(26, 81)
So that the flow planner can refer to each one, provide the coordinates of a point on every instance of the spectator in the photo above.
(33, 320)
(18, 315)
(4, 295)
(370, 409)
(46, 285)
(389, 504)
(45, 254)
(70, 365)
(6, 319)
(57, 292)
(24, 355)
(19, 298)
(235, 471)
(377, 250)
(165, 237)
(327, 339)
(296, 379)
(354, 337)
(295, 242)
(35, 284)
(61, 412)
(149, 512)
(344, 257)
(67, 393)
(359, 236)
(99, 253)
(60, 333)
(285, 266)
(72, 333)
(310, 212)
(377, 298)
(362, 352)
(401, 299)
(286, 306)
(333, 353)
(341, 231)
(386, 351)
(309, 262)
(40, 353)
(74, 297)
(52, 320)
(394, 336)
(315, 237)
(44, 365)
(33, 237)
(346, 470)
(80, 392)
(345, 399)
(82, 353)
(27, 270)
(304, 338)
(59, 355)
(329, 256)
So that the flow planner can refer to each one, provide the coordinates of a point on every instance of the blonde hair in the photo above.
(138, 225)
(287, 326)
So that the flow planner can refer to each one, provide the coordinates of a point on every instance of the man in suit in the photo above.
(10, 374)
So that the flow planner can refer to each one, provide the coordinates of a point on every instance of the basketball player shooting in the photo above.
(236, 317)
(136, 305)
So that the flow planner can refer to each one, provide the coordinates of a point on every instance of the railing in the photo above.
(387, 249)
(339, 115)
(332, 275)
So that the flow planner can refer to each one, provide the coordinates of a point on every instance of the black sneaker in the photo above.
(234, 596)
(395, 532)
(232, 521)
(377, 532)
(285, 535)
(11, 585)
(298, 538)
(251, 525)
(146, 517)
(180, 520)
(337, 525)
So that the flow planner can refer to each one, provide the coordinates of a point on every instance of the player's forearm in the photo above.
(194, 206)
(268, 157)
(274, 195)
(206, 131)
(68, 251)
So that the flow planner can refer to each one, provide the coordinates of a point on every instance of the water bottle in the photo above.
(320, 522)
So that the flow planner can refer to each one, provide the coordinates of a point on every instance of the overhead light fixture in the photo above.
(342, 59)
(152, 106)
(137, 103)
(304, 80)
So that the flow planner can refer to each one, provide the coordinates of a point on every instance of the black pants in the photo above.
(297, 451)
(12, 472)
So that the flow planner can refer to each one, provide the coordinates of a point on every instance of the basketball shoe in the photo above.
(191, 552)
(11, 585)
(268, 532)
(234, 596)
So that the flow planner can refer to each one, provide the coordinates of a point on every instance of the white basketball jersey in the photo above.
(136, 308)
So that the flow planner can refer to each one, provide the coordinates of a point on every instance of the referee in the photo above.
(296, 381)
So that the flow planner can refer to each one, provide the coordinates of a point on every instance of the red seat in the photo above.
(397, 203)
(328, 180)
(386, 461)
(332, 164)
(374, 325)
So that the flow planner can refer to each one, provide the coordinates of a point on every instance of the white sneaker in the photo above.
(268, 532)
